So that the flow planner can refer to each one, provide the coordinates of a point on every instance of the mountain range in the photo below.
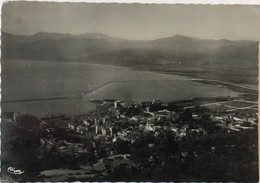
(99, 48)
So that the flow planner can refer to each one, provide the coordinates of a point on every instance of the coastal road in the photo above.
(233, 108)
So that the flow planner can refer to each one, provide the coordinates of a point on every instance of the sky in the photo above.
(132, 21)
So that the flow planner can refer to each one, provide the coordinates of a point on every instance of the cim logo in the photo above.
(12, 170)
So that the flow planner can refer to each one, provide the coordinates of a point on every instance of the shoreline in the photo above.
(246, 92)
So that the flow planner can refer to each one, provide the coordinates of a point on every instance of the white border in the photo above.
(214, 2)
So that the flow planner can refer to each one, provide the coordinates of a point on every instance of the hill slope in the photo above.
(173, 52)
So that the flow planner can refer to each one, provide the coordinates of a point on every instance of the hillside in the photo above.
(177, 53)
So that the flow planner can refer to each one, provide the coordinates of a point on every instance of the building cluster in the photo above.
(116, 120)
(235, 121)
(122, 120)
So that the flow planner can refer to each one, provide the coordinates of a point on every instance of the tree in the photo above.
(28, 121)
(122, 146)
(91, 154)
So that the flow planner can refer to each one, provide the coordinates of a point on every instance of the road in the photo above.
(223, 102)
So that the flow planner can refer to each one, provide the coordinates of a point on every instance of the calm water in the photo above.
(40, 79)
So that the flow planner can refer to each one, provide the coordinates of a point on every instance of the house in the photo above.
(149, 127)
(103, 130)
(43, 124)
(112, 130)
(195, 116)
(122, 116)
(141, 127)
(97, 129)
(252, 121)
(156, 101)
(122, 134)
(47, 143)
(10, 116)
(116, 104)
(237, 119)
(127, 104)
(134, 118)
(73, 125)
(96, 122)
(243, 127)
(174, 129)
(81, 129)
(216, 118)
(184, 127)
(151, 145)
(164, 114)
(85, 122)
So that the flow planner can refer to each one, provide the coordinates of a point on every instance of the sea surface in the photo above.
(25, 83)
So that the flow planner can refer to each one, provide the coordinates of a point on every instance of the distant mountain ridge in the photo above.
(103, 49)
